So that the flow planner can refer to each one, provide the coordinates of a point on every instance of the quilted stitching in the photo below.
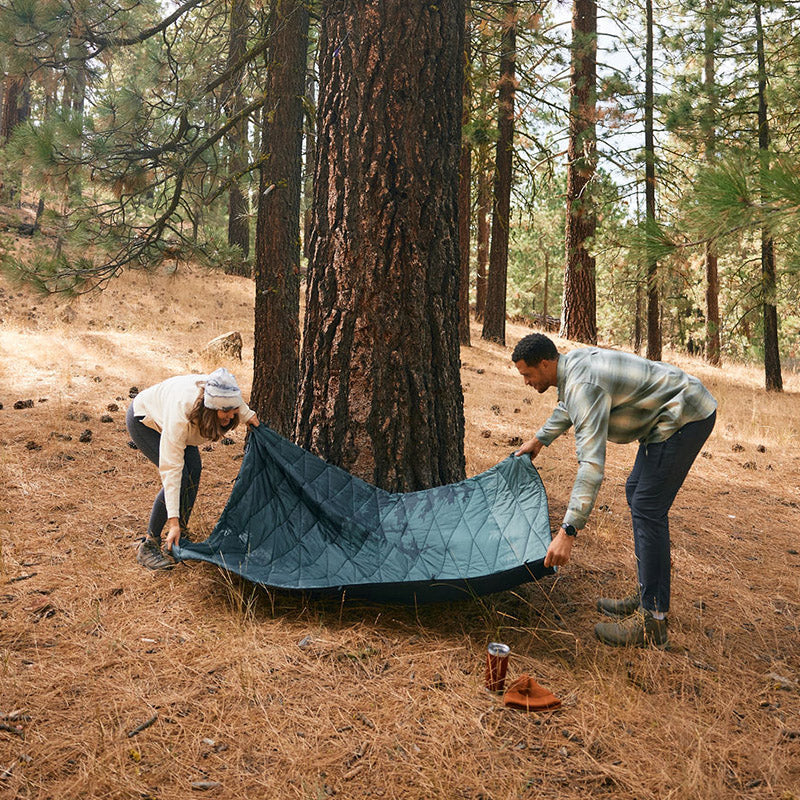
(294, 521)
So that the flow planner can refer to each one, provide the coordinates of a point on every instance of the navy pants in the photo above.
(657, 475)
(148, 442)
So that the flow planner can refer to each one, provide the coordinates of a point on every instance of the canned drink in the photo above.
(496, 666)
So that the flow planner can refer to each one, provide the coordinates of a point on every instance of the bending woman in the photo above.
(167, 422)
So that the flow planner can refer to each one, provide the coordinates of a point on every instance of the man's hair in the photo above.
(533, 348)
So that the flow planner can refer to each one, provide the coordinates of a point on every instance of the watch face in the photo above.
(569, 530)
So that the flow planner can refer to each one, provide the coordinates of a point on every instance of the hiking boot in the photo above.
(150, 555)
(619, 608)
(640, 629)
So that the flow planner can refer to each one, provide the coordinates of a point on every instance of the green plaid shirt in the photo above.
(619, 397)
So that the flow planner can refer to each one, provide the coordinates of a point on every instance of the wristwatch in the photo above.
(569, 529)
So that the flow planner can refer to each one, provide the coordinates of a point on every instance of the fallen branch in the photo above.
(143, 726)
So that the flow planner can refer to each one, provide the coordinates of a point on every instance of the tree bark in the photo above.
(494, 318)
(579, 317)
(713, 348)
(482, 245)
(380, 390)
(238, 204)
(277, 274)
(653, 302)
(772, 360)
(464, 205)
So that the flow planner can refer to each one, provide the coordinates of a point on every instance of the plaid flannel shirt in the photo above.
(619, 397)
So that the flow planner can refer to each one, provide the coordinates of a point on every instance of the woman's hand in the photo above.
(253, 421)
(174, 534)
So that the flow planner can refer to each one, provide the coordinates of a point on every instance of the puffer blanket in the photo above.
(295, 522)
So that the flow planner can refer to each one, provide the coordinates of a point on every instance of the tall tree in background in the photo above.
(772, 362)
(494, 317)
(709, 122)
(277, 303)
(653, 302)
(380, 388)
(464, 202)
(483, 229)
(579, 319)
(238, 204)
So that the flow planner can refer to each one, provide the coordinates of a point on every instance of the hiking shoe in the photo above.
(619, 608)
(640, 629)
(150, 555)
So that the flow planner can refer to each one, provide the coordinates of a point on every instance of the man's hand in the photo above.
(532, 446)
(560, 550)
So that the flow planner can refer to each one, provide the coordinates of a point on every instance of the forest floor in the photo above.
(253, 693)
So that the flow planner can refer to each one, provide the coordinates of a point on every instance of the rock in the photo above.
(780, 682)
(227, 344)
(23, 404)
(86, 436)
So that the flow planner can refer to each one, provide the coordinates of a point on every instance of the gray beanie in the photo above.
(222, 391)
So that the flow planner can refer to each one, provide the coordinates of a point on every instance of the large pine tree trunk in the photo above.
(238, 205)
(653, 300)
(713, 348)
(494, 315)
(277, 303)
(772, 360)
(380, 388)
(579, 319)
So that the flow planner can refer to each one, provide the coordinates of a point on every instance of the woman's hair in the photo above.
(207, 421)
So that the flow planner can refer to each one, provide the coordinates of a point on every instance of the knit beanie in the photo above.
(221, 390)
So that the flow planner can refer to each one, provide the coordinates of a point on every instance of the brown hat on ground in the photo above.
(527, 695)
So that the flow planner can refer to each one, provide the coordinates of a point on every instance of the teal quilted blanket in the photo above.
(293, 521)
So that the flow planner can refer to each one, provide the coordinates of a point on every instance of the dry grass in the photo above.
(269, 694)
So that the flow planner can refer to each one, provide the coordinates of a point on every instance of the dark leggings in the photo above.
(658, 473)
(148, 442)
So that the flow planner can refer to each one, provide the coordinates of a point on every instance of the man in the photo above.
(620, 397)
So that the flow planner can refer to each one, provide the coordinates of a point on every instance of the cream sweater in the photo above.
(165, 407)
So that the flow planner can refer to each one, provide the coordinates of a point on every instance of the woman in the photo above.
(167, 422)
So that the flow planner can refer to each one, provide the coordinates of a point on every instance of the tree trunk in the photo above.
(464, 205)
(653, 305)
(381, 392)
(482, 245)
(277, 273)
(772, 358)
(494, 318)
(238, 205)
(311, 151)
(10, 117)
(713, 348)
(579, 319)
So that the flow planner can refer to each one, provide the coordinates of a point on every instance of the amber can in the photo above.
(496, 666)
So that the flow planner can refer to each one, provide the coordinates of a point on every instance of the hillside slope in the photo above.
(260, 694)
